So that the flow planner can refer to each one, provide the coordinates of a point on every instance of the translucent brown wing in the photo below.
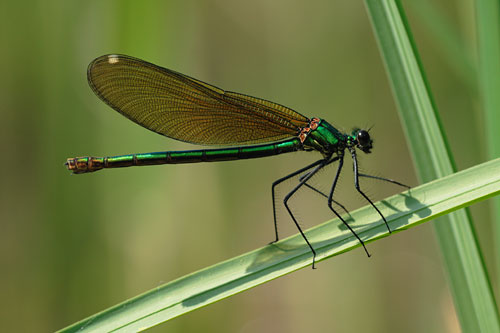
(186, 109)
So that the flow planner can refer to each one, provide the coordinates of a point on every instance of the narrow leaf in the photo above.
(488, 31)
(469, 282)
(235, 275)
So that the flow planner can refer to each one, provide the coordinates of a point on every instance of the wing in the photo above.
(186, 109)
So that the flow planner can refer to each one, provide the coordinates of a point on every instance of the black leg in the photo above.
(293, 174)
(384, 179)
(321, 163)
(330, 201)
(320, 192)
(326, 196)
(356, 184)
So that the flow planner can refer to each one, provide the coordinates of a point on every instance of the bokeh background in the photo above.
(71, 246)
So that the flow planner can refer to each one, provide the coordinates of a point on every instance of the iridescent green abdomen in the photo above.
(91, 164)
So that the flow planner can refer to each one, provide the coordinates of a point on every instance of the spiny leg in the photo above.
(292, 192)
(293, 174)
(322, 193)
(356, 184)
(326, 196)
(384, 179)
(330, 201)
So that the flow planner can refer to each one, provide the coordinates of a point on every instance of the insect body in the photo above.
(189, 110)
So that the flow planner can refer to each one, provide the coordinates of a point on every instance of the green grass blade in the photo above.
(469, 283)
(222, 280)
(488, 31)
(488, 28)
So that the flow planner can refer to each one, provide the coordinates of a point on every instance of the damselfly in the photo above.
(186, 109)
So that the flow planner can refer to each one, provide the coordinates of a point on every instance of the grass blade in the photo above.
(235, 275)
(488, 30)
(469, 283)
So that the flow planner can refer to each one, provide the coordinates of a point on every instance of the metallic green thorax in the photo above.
(326, 139)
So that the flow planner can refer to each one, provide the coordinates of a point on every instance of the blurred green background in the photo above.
(72, 246)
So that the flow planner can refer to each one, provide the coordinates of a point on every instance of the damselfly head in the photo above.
(363, 140)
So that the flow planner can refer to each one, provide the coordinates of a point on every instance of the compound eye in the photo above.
(363, 138)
